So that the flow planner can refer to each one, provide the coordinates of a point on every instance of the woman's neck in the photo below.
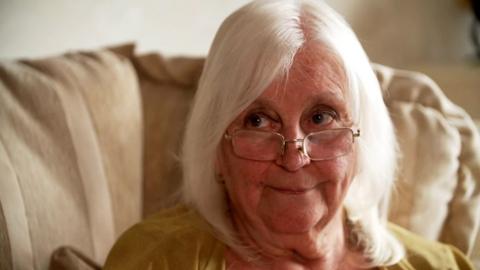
(324, 248)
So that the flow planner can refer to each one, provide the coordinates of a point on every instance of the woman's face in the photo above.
(291, 194)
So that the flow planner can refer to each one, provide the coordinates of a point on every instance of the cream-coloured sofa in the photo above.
(89, 144)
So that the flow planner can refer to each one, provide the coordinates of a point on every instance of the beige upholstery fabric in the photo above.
(68, 258)
(167, 87)
(5, 251)
(459, 82)
(70, 155)
(438, 189)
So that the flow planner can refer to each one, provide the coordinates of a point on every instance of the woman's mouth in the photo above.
(291, 190)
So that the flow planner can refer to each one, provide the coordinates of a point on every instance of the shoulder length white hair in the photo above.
(253, 47)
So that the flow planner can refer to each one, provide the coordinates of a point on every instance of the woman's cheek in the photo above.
(340, 174)
(245, 176)
(335, 170)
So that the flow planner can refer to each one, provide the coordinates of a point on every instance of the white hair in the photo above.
(253, 47)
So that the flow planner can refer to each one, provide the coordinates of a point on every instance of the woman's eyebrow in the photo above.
(333, 99)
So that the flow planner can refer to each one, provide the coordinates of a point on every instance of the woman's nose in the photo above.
(293, 157)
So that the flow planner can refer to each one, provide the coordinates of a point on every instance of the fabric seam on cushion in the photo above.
(81, 102)
(30, 249)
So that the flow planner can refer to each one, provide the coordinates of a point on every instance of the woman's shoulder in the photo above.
(425, 254)
(175, 238)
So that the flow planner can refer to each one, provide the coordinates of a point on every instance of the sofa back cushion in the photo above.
(437, 193)
(167, 89)
(70, 156)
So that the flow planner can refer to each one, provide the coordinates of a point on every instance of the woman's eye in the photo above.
(256, 120)
(323, 118)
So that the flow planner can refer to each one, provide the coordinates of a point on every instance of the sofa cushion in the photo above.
(167, 89)
(437, 193)
(70, 155)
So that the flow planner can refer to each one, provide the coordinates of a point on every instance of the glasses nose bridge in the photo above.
(294, 141)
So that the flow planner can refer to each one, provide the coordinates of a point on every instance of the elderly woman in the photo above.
(289, 155)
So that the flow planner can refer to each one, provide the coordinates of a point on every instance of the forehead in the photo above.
(315, 75)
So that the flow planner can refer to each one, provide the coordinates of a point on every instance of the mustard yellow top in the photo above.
(178, 238)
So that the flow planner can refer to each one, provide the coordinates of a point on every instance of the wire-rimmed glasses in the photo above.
(266, 145)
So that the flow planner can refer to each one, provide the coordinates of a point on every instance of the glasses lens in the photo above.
(256, 145)
(329, 144)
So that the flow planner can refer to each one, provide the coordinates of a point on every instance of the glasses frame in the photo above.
(303, 148)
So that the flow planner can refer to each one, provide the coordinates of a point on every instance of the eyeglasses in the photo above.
(265, 145)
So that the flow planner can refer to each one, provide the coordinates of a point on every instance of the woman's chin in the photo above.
(292, 213)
